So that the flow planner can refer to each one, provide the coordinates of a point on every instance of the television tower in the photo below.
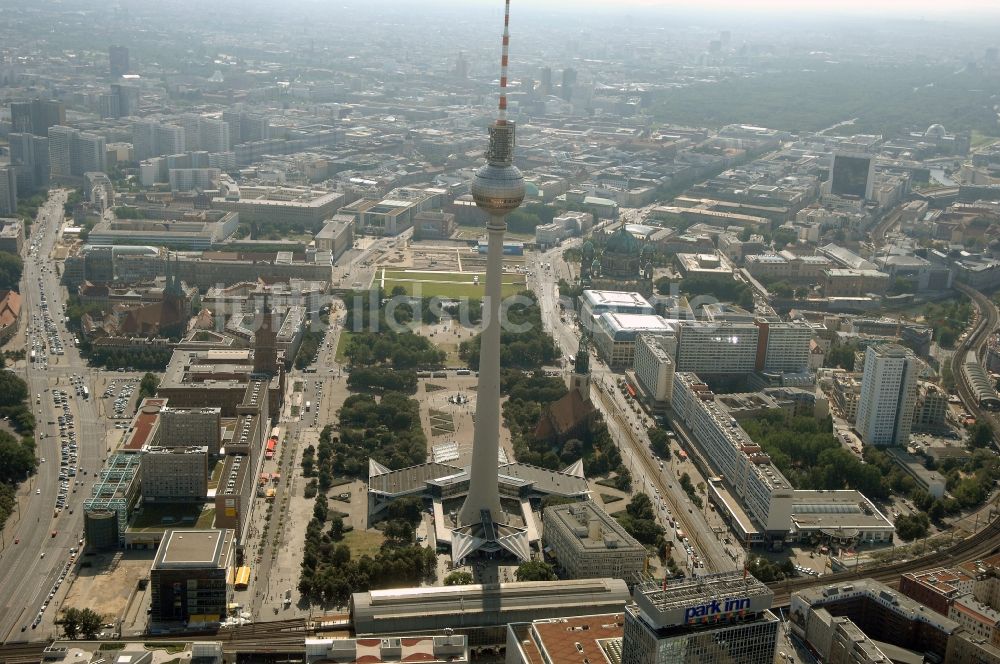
(498, 189)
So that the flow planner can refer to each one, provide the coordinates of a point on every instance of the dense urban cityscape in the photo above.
(620, 333)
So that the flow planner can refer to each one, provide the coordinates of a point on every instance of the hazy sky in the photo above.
(903, 8)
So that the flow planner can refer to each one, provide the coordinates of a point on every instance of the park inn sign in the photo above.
(716, 609)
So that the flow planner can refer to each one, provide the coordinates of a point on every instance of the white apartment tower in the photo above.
(888, 395)
(783, 346)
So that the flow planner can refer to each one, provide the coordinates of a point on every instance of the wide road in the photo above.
(25, 576)
(627, 427)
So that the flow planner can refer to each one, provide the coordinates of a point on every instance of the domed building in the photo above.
(935, 132)
(622, 256)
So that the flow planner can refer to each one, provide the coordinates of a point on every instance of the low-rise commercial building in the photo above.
(189, 578)
(882, 613)
(381, 217)
(588, 544)
(481, 612)
(566, 640)
(336, 236)
(854, 283)
(615, 335)
(936, 588)
(442, 649)
(593, 303)
(11, 236)
(430, 225)
(280, 206)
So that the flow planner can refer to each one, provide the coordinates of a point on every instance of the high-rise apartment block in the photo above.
(30, 155)
(8, 190)
(654, 368)
(191, 426)
(174, 474)
(765, 492)
(118, 61)
(207, 134)
(714, 348)
(152, 139)
(37, 115)
(246, 127)
(888, 396)
(714, 619)
(783, 346)
(73, 153)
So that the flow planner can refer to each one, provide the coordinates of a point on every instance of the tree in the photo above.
(641, 507)
(659, 442)
(321, 508)
(398, 532)
(11, 267)
(535, 570)
(337, 528)
(912, 526)
(76, 621)
(13, 390)
(980, 434)
(458, 578)
(148, 385)
(70, 622)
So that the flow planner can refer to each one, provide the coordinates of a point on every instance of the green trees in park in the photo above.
(11, 267)
(535, 570)
(387, 431)
(524, 343)
(458, 578)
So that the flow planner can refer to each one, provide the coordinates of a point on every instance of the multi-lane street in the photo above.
(38, 537)
(628, 428)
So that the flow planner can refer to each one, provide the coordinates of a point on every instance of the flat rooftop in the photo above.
(602, 298)
(571, 639)
(143, 424)
(836, 512)
(194, 548)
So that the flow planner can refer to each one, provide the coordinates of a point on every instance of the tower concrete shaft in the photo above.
(484, 482)
(497, 189)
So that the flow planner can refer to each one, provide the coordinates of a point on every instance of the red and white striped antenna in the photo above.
(502, 117)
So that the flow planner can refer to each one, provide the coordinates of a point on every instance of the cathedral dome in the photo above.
(622, 242)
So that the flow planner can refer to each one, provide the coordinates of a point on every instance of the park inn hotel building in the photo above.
(716, 619)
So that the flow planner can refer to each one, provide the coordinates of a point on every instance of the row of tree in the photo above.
(399, 350)
(329, 572)
(722, 289)
(308, 348)
(11, 267)
(147, 359)
(17, 455)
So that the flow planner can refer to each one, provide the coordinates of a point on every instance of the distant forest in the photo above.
(889, 99)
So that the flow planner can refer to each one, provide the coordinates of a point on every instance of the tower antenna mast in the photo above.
(502, 115)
